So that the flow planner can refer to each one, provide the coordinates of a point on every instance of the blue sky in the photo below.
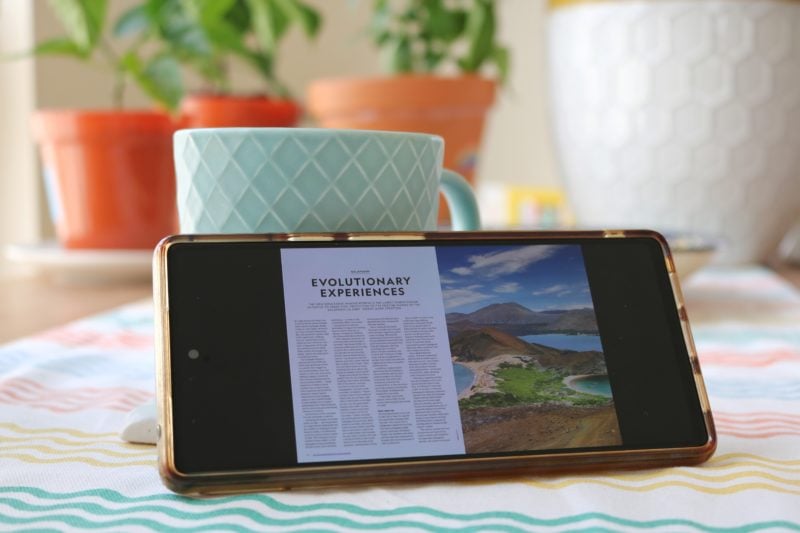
(540, 277)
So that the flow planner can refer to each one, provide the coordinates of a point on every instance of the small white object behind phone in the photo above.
(141, 425)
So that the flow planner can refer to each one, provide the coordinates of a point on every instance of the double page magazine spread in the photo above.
(443, 351)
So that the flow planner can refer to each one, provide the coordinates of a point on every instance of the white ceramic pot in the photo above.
(680, 116)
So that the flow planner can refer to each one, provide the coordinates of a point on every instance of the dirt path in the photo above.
(527, 427)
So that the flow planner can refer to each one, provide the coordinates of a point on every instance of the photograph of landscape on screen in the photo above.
(527, 357)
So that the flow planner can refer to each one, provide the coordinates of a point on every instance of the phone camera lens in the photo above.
(194, 354)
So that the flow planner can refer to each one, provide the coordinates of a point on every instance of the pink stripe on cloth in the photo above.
(749, 358)
(757, 425)
(33, 394)
(80, 336)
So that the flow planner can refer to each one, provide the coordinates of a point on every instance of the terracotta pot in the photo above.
(222, 111)
(109, 176)
(453, 108)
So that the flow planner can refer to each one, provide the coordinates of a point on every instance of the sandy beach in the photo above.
(483, 381)
(569, 380)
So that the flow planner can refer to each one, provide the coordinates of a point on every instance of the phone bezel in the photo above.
(310, 476)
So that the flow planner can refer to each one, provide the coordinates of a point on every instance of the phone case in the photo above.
(407, 470)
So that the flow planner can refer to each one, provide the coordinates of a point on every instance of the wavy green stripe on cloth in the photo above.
(16, 498)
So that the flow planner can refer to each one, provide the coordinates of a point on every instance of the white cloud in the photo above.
(457, 297)
(446, 280)
(509, 287)
(508, 262)
(559, 290)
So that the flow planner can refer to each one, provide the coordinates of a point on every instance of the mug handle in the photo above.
(461, 200)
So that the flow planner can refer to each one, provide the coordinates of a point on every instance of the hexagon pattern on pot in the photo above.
(680, 116)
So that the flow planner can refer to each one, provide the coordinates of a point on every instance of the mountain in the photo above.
(576, 320)
(506, 313)
(517, 319)
(572, 363)
(487, 342)
(455, 317)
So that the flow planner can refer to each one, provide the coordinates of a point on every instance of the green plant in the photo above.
(157, 74)
(205, 34)
(426, 35)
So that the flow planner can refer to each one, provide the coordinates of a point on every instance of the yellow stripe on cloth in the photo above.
(148, 452)
(47, 431)
(27, 458)
(725, 474)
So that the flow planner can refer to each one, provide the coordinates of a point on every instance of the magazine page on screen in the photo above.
(369, 356)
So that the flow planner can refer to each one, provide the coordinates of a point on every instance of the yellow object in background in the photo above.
(512, 206)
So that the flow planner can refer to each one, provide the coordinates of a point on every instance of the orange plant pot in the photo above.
(453, 108)
(109, 176)
(221, 111)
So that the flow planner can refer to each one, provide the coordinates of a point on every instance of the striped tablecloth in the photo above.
(64, 395)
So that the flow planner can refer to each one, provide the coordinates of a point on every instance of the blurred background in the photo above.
(678, 116)
(516, 146)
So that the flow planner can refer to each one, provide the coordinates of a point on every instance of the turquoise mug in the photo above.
(285, 180)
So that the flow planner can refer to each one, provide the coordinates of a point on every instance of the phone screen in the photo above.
(292, 354)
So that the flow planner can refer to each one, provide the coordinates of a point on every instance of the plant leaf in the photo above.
(238, 16)
(261, 62)
(160, 78)
(381, 38)
(306, 16)
(381, 17)
(440, 23)
(220, 34)
(82, 20)
(458, 24)
(480, 31)
(502, 59)
(401, 59)
(224, 38)
(180, 25)
(266, 28)
(280, 21)
(310, 20)
(433, 59)
(131, 22)
(210, 11)
(60, 46)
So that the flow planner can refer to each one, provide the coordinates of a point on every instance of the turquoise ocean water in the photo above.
(464, 377)
(579, 343)
(597, 385)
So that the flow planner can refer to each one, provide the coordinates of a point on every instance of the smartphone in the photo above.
(288, 361)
